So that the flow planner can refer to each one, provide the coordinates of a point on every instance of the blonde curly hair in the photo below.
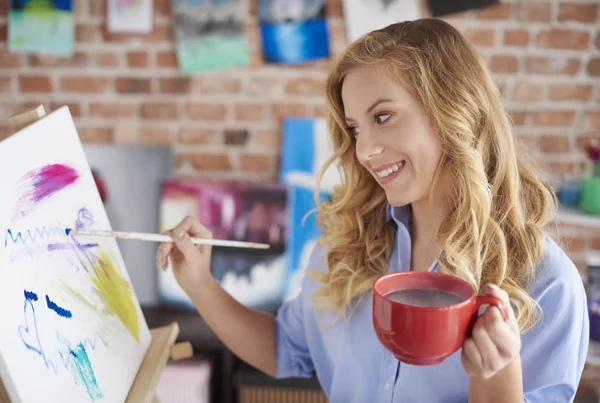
(493, 233)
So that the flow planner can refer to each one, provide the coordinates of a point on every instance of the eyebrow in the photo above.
(374, 105)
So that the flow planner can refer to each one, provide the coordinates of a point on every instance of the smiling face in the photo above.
(395, 141)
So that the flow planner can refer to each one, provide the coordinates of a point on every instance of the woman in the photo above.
(432, 181)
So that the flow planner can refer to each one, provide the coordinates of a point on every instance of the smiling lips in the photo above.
(388, 172)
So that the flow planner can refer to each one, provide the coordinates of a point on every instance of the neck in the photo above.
(427, 216)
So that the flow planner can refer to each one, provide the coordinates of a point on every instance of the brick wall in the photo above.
(124, 89)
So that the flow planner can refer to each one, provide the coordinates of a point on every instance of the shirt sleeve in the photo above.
(291, 337)
(553, 353)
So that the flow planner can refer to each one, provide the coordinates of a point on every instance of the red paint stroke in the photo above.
(42, 183)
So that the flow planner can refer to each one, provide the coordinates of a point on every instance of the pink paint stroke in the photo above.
(42, 183)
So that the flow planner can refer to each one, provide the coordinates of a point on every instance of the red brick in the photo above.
(162, 7)
(528, 91)
(249, 111)
(574, 244)
(156, 136)
(160, 110)
(10, 60)
(167, 58)
(282, 111)
(235, 137)
(131, 85)
(555, 144)
(305, 86)
(5, 85)
(558, 118)
(79, 59)
(218, 85)
(570, 92)
(516, 37)
(206, 111)
(97, 8)
(561, 168)
(529, 142)
(538, 12)
(269, 138)
(593, 67)
(95, 134)
(211, 162)
(334, 8)
(595, 244)
(597, 41)
(160, 33)
(500, 11)
(580, 12)
(255, 162)
(591, 120)
(35, 84)
(85, 33)
(107, 59)
(85, 85)
(175, 85)
(517, 117)
(74, 107)
(562, 38)
(137, 59)
(484, 37)
(552, 65)
(112, 110)
(194, 135)
(320, 111)
(504, 64)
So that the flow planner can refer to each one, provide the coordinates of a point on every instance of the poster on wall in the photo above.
(41, 26)
(364, 16)
(305, 148)
(293, 31)
(130, 16)
(209, 35)
(234, 211)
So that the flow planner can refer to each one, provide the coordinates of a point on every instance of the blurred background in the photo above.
(215, 109)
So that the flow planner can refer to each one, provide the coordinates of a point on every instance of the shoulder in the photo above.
(556, 277)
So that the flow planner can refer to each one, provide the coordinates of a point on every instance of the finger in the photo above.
(490, 355)
(164, 249)
(509, 313)
(499, 332)
(184, 244)
(192, 227)
(472, 354)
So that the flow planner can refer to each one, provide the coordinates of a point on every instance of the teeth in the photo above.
(385, 172)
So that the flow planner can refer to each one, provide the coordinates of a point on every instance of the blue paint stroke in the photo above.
(33, 235)
(73, 359)
(85, 372)
(65, 313)
(31, 295)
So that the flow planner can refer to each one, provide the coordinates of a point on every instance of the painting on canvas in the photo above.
(41, 26)
(293, 31)
(71, 319)
(209, 35)
(363, 16)
(236, 211)
(305, 148)
(130, 16)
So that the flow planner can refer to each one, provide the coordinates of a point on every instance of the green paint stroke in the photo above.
(114, 291)
(85, 372)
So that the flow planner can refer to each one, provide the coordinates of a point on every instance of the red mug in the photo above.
(425, 335)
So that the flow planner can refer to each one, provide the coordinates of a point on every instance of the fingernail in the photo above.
(493, 286)
(179, 235)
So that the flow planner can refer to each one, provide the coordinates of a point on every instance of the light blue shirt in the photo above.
(352, 366)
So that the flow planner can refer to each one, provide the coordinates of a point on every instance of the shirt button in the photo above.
(387, 387)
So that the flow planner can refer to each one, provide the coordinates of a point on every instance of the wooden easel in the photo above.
(162, 346)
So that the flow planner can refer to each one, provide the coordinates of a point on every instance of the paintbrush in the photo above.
(162, 238)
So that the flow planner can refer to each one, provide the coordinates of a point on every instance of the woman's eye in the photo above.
(381, 118)
(353, 131)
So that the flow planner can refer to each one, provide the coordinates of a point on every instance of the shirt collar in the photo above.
(400, 214)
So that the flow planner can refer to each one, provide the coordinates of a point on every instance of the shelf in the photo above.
(568, 215)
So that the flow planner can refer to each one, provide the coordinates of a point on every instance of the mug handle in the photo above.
(489, 300)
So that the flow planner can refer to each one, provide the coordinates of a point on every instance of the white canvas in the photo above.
(130, 16)
(72, 328)
(363, 16)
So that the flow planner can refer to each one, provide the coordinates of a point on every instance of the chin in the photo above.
(398, 200)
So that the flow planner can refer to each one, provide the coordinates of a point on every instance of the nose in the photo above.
(367, 147)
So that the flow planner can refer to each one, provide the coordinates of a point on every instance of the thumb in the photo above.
(185, 245)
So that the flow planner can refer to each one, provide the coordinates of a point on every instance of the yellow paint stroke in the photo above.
(114, 291)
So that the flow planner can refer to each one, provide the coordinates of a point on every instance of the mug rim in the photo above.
(387, 276)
